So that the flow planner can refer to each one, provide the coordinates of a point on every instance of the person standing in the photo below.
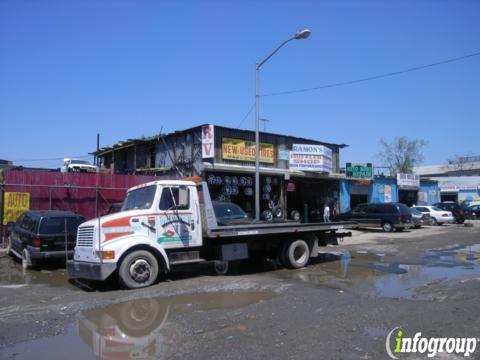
(326, 213)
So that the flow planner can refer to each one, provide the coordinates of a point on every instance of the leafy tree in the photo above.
(401, 154)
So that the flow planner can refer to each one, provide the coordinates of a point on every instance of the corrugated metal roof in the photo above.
(131, 142)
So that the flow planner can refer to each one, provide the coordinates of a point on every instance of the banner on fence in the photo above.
(14, 205)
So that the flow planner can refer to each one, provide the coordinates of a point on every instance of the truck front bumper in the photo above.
(91, 271)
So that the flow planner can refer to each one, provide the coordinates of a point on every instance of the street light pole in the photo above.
(303, 34)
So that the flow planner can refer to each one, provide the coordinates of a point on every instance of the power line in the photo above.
(246, 116)
(51, 159)
(375, 77)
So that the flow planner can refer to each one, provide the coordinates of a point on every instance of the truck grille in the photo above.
(85, 236)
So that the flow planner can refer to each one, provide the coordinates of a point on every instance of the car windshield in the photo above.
(56, 225)
(415, 211)
(228, 211)
(141, 198)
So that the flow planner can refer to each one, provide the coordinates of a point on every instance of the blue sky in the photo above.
(72, 69)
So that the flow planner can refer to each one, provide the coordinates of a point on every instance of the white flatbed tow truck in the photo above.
(167, 223)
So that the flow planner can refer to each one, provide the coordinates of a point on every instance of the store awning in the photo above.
(269, 171)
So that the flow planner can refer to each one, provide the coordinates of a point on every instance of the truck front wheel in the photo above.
(138, 269)
(295, 254)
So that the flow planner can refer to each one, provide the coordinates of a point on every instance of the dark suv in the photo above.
(40, 235)
(457, 210)
(388, 216)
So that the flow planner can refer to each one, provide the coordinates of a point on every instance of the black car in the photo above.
(228, 213)
(456, 209)
(40, 235)
(475, 211)
(388, 216)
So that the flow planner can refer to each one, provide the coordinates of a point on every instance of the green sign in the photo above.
(362, 171)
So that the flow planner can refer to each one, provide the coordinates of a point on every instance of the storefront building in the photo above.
(295, 173)
(408, 189)
(459, 188)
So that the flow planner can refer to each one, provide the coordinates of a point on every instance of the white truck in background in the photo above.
(77, 165)
(168, 223)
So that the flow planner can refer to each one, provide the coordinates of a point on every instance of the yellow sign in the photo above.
(15, 204)
(242, 150)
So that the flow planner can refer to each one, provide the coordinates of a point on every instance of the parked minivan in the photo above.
(388, 216)
(40, 235)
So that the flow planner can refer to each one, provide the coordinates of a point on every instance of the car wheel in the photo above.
(9, 248)
(220, 267)
(295, 215)
(267, 215)
(27, 261)
(277, 212)
(138, 269)
(387, 226)
(433, 221)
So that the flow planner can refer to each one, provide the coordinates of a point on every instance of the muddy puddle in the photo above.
(130, 330)
(12, 275)
(376, 275)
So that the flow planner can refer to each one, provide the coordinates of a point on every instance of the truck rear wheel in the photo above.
(138, 269)
(295, 254)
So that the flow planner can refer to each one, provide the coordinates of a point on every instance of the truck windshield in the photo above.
(80, 162)
(140, 198)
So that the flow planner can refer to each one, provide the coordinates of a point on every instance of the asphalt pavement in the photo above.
(343, 305)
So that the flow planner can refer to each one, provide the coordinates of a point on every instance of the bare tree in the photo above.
(401, 154)
(459, 162)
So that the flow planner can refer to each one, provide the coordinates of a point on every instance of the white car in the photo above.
(437, 215)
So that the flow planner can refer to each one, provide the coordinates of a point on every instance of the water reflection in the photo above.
(13, 275)
(376, 276)
(132, 330)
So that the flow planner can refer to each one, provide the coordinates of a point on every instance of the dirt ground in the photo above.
(342, 306)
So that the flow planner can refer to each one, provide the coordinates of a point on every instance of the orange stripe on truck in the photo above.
(112, 236)
(125, 221)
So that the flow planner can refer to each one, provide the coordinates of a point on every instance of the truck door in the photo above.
(178, 219)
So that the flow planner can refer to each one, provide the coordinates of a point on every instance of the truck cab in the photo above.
(155, 218)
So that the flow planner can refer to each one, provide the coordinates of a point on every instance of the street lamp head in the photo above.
(302, 34)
